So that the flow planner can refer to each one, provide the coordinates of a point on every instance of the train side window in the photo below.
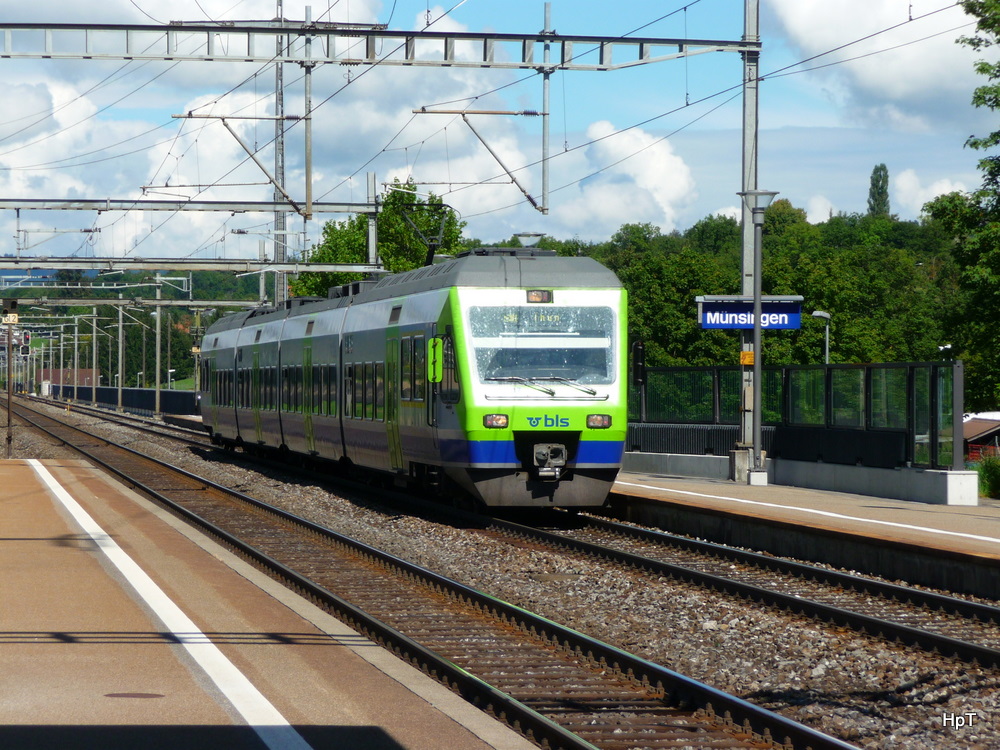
(324, 404)
(450, 391)
(318, 389)
(380, 391)
(330, 391)
(406, 369)
(359, 391)
(369, 390)
(419, 368)
(348, 390)
(334, 391)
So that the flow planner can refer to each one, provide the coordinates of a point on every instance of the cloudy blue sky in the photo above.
(847, 85)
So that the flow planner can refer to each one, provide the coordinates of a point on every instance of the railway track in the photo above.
(141, 424)
(560, 688)
(937, 623)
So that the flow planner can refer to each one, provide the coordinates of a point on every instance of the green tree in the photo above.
(973, 220)
(663, 274)
(878, 191)
(888, 299)
(409, 227)
(717, 235)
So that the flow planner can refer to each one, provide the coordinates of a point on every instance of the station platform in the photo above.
(955, 531)
(943, 546)
(121, 627)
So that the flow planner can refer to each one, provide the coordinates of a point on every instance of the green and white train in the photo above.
(500, 372)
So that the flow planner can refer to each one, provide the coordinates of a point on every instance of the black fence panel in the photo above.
(134, 400)
(694, 439)
(884, 450)
(881, 415)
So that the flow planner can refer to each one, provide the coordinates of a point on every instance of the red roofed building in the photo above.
(982, 437)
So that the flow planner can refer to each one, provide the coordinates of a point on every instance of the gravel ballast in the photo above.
(861, 689)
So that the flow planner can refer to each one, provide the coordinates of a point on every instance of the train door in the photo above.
(392, 404)
(442, 373)
(434, 373)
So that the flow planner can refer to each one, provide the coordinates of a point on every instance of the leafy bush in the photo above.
(989, 476)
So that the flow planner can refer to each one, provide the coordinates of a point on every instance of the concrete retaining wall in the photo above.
(919, 485)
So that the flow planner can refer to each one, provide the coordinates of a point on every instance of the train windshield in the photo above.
(532, 343)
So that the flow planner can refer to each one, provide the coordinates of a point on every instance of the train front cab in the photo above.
(530, 398)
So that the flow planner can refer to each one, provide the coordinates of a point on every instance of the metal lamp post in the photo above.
(757, 201)
(826, 318)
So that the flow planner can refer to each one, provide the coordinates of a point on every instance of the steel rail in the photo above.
(676, 688)
(887, 629)
(861, 584)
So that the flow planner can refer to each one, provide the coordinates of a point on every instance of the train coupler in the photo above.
(550, 460)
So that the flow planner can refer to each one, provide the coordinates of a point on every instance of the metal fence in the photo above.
(886, 415)
(134, 400)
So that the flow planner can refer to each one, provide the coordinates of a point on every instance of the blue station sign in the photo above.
(777, 312)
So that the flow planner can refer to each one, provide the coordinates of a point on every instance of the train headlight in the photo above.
(598, 421)
(495, 421)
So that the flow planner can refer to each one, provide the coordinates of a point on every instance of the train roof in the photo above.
(483, 267)
(496, 267)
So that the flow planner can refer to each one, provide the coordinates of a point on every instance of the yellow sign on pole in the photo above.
(746, 358)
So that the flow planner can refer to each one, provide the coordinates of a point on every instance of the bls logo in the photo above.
(549, 421)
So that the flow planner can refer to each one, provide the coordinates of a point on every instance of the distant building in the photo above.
(982, 435)
(87, 377)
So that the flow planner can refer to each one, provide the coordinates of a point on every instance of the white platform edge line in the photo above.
(273, 729)
(826, 513)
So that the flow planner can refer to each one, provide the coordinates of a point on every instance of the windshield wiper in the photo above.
(523, 381)
(567, 381)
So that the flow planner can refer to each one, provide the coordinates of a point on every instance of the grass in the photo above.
(989, 476)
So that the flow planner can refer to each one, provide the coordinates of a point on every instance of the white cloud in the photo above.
(369, 125)
(733, 212)
(648, 182)
(905, 77)
(909, 193)
(819, 208)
